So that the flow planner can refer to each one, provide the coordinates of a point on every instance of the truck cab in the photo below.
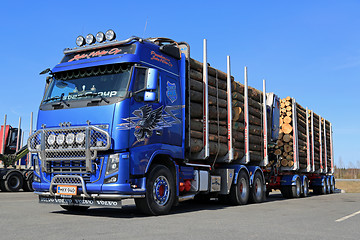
(109, 110)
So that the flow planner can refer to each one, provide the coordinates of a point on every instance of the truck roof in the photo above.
(117, 52)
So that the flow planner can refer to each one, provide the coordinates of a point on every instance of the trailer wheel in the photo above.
(239, 192)
(332, 185)
(13, 182)
(27, 186)
(72, 208)
(324, 188)
(257, 190)
(328, 186)
(296, 189)
(305, 192)
(160, 192)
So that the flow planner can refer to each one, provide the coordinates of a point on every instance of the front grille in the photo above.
(67, 149)
(67, 180)
(75, 166)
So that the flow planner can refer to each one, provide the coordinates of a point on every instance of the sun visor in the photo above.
(96, 57)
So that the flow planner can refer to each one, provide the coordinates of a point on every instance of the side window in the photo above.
(139, 87)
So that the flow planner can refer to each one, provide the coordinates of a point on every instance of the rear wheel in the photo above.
(72, 208)
(305, 192)
(27, 186)
(324, 188)
(328, 186)
(296, 189)
(332, 185)
(257, 191)
(13, 182)
(160, 192)
(239, 192)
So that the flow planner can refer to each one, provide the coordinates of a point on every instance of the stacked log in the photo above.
(328, 146)
(316, 127)
(217, 95)
(284, 145)
(255, 122)
(302, 136)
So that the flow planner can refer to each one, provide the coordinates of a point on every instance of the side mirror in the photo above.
(149, 96)
(151, 78)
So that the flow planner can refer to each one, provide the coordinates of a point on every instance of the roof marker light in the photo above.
(80, 41)
(90, 39)
(110, 35)
(100, 37)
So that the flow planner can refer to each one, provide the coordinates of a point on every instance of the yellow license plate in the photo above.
(66, 190)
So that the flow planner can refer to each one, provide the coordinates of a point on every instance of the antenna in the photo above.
(145, 26)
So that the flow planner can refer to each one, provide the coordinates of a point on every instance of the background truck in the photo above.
(14, 173)
(141, 119)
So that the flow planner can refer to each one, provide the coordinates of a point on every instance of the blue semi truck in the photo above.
(117, 121)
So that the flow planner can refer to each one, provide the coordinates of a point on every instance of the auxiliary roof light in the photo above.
(80, 41)
(110, 35)
(90, 39)
(100, 37)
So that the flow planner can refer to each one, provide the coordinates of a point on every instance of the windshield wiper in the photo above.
(51, 99)
(57, 98)
(102, 98)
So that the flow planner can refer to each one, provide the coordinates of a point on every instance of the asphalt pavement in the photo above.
(335, 216)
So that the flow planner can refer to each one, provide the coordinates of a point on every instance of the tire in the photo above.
(305, 192)
(328, 186)
(296, 189)
(324, 188)
(27, 186)
(160, 192)
(332, 185)
(13, 182)
(72, 208)
(286, 191)
(257, 191)
(240, 192)
(2, 186)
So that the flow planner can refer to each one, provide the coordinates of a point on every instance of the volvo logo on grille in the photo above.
(65, 124)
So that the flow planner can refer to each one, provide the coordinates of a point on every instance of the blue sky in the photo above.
(309, 50)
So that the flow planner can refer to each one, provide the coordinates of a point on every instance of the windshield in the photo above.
(104, 81)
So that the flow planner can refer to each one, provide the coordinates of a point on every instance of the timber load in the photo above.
(304, 141)
(218, 113)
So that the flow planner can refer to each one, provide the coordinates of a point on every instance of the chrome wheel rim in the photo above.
(161, 190)
(257, 187)
(243, 188)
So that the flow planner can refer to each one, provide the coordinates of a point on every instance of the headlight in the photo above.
(36, 164)
(51, 139)
(100, 37)
(80, 41)
(112, 164)
(60, 139)
(110, 35)
(80, 137)
(70, 138)
(90, 39)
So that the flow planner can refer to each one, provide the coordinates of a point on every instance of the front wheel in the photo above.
(160, 192)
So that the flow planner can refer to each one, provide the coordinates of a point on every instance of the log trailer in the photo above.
(13, 178)
(140, 119)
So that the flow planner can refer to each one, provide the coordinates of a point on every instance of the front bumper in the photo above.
(103, 200)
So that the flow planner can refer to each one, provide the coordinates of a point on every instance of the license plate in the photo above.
(66, 190)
